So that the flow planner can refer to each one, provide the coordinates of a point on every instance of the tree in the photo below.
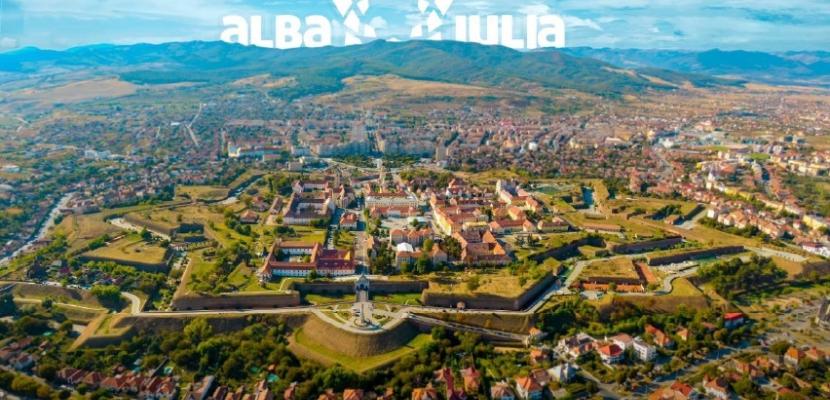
(7, 306)
(473, 283)
(108, 295)
(197, 330)
(146, 235)
(452, 247)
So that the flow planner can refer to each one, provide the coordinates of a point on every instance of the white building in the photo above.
(643, 350)
(399, 199)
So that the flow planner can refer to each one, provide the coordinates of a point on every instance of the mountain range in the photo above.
(795, 67)
(605, 72)
(318, 70)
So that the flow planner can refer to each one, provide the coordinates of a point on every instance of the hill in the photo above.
(796, 67)
(322, 70)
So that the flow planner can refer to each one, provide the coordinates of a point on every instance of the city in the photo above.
(202, 220)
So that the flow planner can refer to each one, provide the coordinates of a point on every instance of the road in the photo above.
(189, 126)
(45, 226)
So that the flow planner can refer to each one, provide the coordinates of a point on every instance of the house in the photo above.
(643, 351)
(611, 353)
(528, 389)
(349, 221)
(733, 320)
(623, 340)
(683, 334)
(249, 217)
(70, 376)
(472, 379)
(328, 395)
(502, 391)
(660, 337)
(676, 391)
(539, 355)
(535, 334)
(199, 390)
(793, 356)
(92, 379)
(816, 354)
(748, 369)
(353, 394)
(717, 388)
(541, 376)
(557, 224)
(425, 393)
(481, 249)
(576, 346)
(23, 361)
(562, 373)
(445, 375)
(291, 392)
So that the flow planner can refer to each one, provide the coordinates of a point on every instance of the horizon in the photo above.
(702, 50)
(689, 25)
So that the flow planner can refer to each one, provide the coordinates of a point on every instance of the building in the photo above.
(502, 391)
(305, 208)
(660, 338)
(677, 391)
(528, 389)
(349, 221)
(643, 350)
(299, 259)
(611, 353)
(717, 388)
(425, 393)
(823, 317)
(562, 373)
(733, 320)
(793, 356)
(398, 199)
(481, 249)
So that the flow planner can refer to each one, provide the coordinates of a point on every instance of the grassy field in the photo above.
(495, 282)
(398, 298)
(683, 288)
(308, 234)
(203, 193)
(345, 241)
(621, 267)
(652, 205)
(306, 347)
(82, 229)
(131, 249)
(632, 227)
(212, 218)
(548, 241)
(241, 279)
(319, 299)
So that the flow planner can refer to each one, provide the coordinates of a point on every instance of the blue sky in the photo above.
(768, 25)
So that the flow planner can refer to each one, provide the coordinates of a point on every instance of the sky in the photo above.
(764, 25)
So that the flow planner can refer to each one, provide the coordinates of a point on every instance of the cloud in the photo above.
(379, 23)
(576, 22)
(535, 9)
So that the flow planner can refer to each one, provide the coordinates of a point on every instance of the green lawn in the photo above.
(359, 364)
(131, 249)
(398, 298)
(318, 299)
